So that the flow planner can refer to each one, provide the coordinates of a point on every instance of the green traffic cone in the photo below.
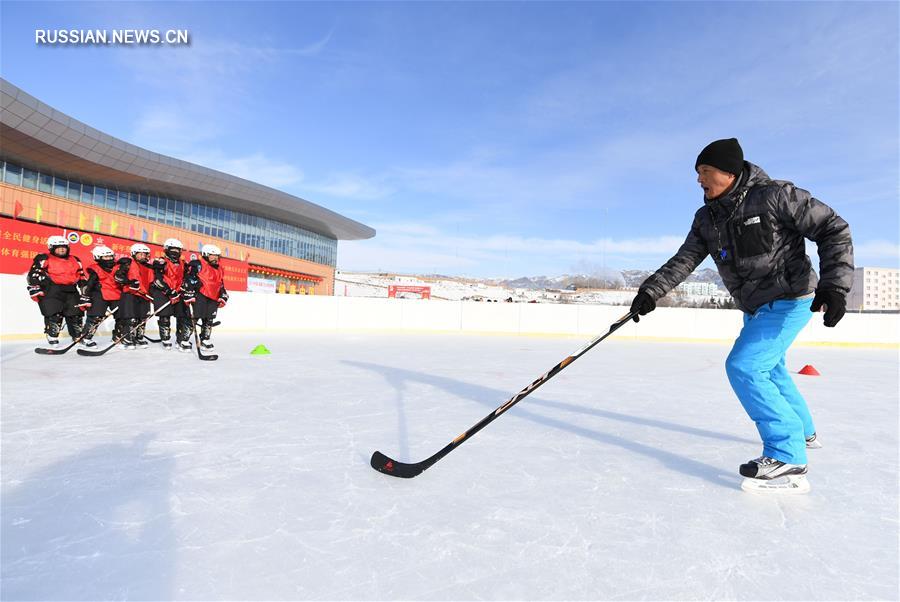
(260, 350)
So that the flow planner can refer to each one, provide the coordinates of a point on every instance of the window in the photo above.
(45, 183)
(87, 194)
(132, 199)
(99, 196)
(153, 207)
(60, 187)
(29, 178)
(143, 205)
(13, 174)
(74, 192)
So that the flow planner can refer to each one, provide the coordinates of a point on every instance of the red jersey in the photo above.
(173, 275)
(210, 279)
(109, 288)
(63, 270)
(143, 274)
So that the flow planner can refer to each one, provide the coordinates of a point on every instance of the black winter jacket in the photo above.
(755, 234)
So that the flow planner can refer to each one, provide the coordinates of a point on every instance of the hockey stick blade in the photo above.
(207, 358)
(382, 463)
(386, 465)
(50, 351)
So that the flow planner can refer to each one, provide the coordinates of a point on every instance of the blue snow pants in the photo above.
(761, 382)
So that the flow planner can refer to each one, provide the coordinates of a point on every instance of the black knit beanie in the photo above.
(726, 155)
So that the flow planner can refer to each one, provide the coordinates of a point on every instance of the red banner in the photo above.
(21, 241)
(424, 292)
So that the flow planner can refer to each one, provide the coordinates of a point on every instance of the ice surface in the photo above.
(152, 475)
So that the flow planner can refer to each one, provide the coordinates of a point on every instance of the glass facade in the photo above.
(236, 226)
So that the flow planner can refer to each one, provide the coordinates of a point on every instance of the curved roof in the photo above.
(42, 137)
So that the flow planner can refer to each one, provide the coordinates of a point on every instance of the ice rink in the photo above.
(151, 475)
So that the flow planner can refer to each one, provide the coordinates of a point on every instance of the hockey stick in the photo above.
(98, 352)
(84, 335)
(207, 358)
(386, 465)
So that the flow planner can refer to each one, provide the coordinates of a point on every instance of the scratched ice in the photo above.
(152, 475)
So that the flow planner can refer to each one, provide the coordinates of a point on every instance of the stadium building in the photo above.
(61, 176)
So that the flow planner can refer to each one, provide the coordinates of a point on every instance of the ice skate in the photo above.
(185, 346)
(167, 344)
(812, 442)
(52, 341)
(206, 345)
(88, 343)
(768, 475)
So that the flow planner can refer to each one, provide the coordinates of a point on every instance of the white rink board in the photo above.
(279, 313)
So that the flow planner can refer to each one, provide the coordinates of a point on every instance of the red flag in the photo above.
(17, 210)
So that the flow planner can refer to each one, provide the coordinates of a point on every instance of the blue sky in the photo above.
(496, 139)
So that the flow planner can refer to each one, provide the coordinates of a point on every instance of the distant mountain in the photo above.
(706, 275)
(531, 282)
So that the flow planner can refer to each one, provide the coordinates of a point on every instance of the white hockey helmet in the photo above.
(100, 252)
(173, 243)
(211, 250)
(139, 247)
(57, 241)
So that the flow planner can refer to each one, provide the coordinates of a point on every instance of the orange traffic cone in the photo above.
(809, 370)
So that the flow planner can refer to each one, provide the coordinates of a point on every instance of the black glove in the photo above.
(188, 296)
(643, 304)
(35, 291)
(84, 302)
(835, 306)
(36, 276)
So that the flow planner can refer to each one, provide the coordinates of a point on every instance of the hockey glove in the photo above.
(188, 296)
(643, 304)
(84, 303)
(222, 302)
(35, 292)
(36, 276)
(173, 295)
(835, 305)
(133, 285)
(223, 299)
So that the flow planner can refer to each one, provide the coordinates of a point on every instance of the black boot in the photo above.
(52, 326)
(91, 324)
(165, 331)
(206, 335)
(139, 339)
(74, 325)
(128, 333)
(183, 333)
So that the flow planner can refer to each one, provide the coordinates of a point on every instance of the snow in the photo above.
(152, 475)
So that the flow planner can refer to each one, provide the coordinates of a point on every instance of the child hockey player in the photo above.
(53, 281)
(204, 290)
(103, 294)
(135, 276)
(169, 276)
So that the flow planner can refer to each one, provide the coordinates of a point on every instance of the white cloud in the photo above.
(417, 247)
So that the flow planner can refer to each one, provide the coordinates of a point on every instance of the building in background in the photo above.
(58, 174)
(875, 289)
(698, 289)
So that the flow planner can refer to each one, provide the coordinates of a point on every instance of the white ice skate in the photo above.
(794, 484)
(768, 475)
(812, 442)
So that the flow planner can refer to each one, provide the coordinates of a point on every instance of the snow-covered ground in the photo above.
(152, 475)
